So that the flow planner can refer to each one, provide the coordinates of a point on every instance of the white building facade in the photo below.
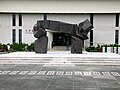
(17, 18)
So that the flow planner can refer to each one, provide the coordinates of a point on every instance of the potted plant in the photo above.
(1, 48)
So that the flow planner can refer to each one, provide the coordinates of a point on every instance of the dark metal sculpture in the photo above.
(78, 34)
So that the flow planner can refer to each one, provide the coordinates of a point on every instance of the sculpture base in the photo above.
(41, 45)
(76, 46)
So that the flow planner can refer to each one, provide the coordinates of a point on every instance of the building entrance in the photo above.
(61, 39)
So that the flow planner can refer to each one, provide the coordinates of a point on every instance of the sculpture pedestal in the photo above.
(76, 46)
(41, 45)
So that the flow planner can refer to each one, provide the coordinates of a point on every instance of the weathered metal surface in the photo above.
(79, 32)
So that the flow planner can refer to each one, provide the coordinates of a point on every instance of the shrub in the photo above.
(31, 47)
(93, 49)
(0, 45)
(18, 47)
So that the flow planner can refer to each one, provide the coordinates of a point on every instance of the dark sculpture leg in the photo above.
(41, 45)
(76, 45)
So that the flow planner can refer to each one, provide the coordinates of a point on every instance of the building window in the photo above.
(91, 38)
(116, 36)
(13, 20)
(91, 18)
(13, 36)
(45, 16)
(91, 32)
(117, 20)
(20, 19)
(20, 35)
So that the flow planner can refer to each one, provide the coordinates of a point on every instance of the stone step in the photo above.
(60, 48)
(59, 63)
(52, 58)
(55, 61)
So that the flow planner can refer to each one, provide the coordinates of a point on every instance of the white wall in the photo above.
(29, 20)
(60, 6)
(69, 18)
(104, 28)
(5, 28)
(50, 39)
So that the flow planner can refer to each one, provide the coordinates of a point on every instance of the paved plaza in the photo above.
(59, 71)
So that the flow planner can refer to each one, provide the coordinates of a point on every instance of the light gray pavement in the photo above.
(59, 71)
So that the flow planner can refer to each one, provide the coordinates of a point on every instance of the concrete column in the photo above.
(50, 39)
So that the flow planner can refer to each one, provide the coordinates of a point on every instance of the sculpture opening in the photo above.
(78, 34)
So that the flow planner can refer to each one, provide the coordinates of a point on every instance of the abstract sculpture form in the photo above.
(78, 34)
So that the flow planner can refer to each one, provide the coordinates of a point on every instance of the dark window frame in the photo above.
(13, 36)
(91, 38)
(117, 20)
(91, 18)
(13, 19)
(116, 36)
(45, 16)
(20, 19)
(20, 35)
(91, 32)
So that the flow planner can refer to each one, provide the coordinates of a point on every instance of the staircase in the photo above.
(60, 58)
(60, 48)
